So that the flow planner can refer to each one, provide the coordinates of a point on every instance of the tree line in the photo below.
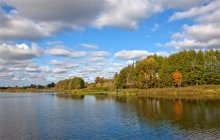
(186, 68)
(31, 86)
(69, 84)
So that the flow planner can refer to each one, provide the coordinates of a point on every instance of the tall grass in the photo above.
(194, 92)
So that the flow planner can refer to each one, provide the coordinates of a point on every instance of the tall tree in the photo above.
(165, 75)
(177, 78)
(146, 71)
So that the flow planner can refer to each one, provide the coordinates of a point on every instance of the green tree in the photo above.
(212, 67)
(69, 84)
(165, 75)
(51, 85)
(120, 79)
(77, 83)
(199, 69)
(146, 73)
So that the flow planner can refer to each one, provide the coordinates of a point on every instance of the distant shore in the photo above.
(209, 92)
(30, 90)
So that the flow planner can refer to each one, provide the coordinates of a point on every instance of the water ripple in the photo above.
(48, 117)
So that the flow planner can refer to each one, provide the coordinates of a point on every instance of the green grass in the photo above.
(193, 92)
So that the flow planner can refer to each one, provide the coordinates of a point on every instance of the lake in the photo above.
(46, 116)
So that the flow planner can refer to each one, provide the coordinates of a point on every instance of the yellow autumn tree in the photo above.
(177, 78)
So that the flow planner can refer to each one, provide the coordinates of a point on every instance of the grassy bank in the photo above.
(193, 92)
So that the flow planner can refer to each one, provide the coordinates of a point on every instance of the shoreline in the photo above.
(26, 90)
(206, 92)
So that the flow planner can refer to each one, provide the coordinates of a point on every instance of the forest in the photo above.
(186, 68)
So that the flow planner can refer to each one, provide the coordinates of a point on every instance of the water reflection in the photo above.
(78, 97)
(102, 97)
(42, 116)
(178, 109)
(187, 114)
(75, 97)
(184, 113)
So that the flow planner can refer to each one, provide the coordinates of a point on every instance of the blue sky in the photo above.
(48, 40)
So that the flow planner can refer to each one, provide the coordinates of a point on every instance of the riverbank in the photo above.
(209, 92)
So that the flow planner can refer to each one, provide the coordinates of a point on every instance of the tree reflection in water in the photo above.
(183, 113)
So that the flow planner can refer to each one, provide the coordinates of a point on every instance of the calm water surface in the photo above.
(44, 116)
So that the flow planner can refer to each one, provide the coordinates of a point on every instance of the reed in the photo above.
(193, 92)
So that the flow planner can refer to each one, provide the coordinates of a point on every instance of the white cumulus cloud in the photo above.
(125, 13)
(19, 51)
(100, 54)
(64, 52)
(131, 54)
(204, 33)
